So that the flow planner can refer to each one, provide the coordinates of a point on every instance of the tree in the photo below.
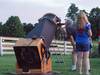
(72, 11)
(27, 27)
(13, 27)
(59, 35)
(1, 28)
(94, 20)
(98, 31)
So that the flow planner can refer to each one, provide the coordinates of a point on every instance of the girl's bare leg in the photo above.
(79, 62)
(86, 63)
(74, 60)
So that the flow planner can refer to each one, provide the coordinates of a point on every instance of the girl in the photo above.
(83, 43)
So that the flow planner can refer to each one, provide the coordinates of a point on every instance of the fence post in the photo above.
(99, 44)
(64, 47)
(1, 49)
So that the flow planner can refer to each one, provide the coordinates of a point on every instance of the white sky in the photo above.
(30, 11)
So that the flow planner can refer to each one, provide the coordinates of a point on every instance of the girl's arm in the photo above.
(88, 27)
(90, 32)
(73, 42)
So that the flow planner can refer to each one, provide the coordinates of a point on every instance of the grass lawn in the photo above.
(7, 65)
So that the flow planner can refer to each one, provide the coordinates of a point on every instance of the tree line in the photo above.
(14, 28)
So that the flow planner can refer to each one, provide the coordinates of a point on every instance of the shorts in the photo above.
(82, 47)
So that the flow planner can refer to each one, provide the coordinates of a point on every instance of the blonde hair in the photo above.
(82, 19)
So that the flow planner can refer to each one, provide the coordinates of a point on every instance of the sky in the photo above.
(30, 11)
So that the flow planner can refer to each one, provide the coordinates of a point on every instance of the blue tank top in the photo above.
(82, 34)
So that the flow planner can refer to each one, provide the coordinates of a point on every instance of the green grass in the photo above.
(66, 69)
(7, 65)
